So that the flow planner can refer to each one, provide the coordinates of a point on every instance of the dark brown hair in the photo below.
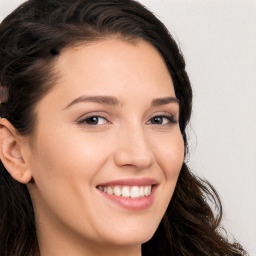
(31, 39)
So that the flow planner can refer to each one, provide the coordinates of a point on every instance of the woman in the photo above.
(95, 102)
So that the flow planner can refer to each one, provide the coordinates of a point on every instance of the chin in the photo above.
(129, 237)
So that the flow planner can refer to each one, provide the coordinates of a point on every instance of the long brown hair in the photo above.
(31, 39)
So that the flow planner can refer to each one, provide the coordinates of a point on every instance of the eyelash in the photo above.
(170, 119)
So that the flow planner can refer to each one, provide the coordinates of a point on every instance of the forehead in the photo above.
(113, 64)
(131, 72)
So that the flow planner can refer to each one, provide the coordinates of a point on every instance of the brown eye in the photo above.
(93, 120)
(162, 120)
(157, 120)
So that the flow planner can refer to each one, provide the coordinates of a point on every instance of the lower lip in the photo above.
(136, 204)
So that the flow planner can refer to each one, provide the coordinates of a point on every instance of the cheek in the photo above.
(170, 155)
(68, 154)
(64, 169)
(64, 161)
(174, 159)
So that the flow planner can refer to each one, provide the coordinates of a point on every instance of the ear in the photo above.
(11, 152)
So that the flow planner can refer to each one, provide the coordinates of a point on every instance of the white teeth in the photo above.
(127, 191)
(117, 191)
(147, 191)
(135, 192)
(142, 191)
(109, 191)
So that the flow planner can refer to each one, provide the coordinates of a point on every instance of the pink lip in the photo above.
(131, 182)
(132, 203)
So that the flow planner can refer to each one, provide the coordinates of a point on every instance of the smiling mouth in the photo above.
(127, 191)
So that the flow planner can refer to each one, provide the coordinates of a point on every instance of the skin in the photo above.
(69, 158)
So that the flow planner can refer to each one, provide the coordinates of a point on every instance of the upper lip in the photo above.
(131, 182)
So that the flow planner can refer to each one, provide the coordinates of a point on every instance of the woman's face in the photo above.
(106, 135)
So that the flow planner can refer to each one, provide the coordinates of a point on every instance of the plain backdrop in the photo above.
(218, 40)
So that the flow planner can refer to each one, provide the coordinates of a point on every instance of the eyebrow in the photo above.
(110, 100)
(164, 101)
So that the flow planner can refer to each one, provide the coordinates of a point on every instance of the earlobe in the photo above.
(11, 152)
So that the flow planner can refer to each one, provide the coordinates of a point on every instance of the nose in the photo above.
(133, 149)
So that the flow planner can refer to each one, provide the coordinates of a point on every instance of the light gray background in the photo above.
(218, 39)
